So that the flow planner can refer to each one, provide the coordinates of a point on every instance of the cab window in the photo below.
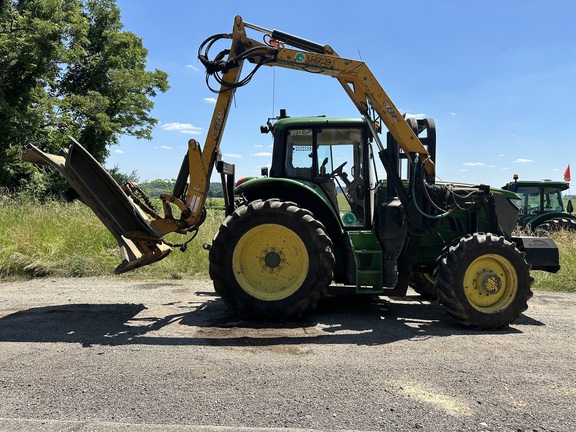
(333, 158)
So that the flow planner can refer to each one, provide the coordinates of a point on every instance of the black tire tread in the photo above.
(556, 224)
(451, 292)
(422, 286)
(253, 309)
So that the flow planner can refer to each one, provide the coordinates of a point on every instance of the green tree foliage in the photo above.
(68, 69)
(122, 177)
(155, 188)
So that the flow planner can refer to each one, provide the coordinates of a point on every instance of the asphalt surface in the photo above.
(110, 354)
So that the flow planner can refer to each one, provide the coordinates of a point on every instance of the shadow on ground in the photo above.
(339, 319)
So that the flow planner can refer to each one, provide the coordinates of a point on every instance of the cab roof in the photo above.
(562, 185)
(319, 121)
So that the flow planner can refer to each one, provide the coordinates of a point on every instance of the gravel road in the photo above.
(95, 354)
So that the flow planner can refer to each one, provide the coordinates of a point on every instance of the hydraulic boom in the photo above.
(138, 228)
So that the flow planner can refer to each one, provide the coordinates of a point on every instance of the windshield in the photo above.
(536, 199)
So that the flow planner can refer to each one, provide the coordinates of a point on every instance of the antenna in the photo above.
(273, 90)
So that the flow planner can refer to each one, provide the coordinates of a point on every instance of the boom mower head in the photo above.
(140, 243)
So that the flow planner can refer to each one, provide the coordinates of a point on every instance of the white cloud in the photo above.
(416, 116)
(473, 164)
(119, 151)
(523, 160)
(164, 147)
(210, 100)
(194, 68)
(453, 114)
(186, 128)
(258, 146)
(501, 155)
(232, 155)
(263, 154)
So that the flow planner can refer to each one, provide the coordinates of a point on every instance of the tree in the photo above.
(32, 35)
(122, 177)
(108, 88)
(68, 68)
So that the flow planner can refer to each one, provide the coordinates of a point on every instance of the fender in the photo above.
(308, 195)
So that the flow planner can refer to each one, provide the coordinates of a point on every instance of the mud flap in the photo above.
(139, 243)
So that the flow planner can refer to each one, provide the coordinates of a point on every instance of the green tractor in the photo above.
(542, 206)
(320, 215)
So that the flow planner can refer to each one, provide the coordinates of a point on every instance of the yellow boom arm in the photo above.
(355, 77)
(138, 228)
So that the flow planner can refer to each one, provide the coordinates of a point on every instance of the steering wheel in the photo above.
(338, 171)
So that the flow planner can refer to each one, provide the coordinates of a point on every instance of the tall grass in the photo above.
(565, 279)
(68, 240)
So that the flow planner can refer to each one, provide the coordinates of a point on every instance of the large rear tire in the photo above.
(271, 260)
(483, 281)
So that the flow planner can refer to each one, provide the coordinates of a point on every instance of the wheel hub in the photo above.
(490, 283)
(271, 260)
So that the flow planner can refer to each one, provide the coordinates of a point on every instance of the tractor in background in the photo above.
(542, 208)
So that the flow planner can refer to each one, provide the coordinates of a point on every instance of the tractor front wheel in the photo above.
(483, 281)
(271, 260)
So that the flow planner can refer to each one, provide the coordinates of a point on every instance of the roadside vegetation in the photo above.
(67, 240)
(50, 238)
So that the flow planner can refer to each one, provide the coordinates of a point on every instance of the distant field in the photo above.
(68, 240)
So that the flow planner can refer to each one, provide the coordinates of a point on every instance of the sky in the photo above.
(498, 77)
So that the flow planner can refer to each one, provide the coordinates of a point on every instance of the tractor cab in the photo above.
(539, 196)
(542, 201)
(334, 155)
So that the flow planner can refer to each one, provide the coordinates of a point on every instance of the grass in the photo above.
(67, 240)
(565, 279)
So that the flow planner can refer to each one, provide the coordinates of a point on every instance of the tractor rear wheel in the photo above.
(483, 281)
(271, 260)
(556, 224)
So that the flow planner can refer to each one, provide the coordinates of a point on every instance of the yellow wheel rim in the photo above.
(270, 262)
(490, 283)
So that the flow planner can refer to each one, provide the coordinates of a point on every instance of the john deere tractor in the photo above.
(321, 213)
(542, 206)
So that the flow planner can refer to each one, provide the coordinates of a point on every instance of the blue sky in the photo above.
(498, 77)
